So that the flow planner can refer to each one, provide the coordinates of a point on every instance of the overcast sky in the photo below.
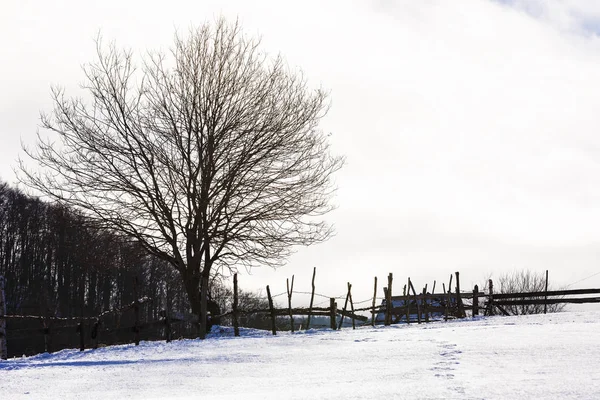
(471, 129)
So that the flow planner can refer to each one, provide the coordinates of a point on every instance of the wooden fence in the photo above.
(411, 306)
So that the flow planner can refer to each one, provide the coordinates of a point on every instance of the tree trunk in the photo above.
(192, 288)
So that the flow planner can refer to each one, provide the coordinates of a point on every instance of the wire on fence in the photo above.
(584, 279)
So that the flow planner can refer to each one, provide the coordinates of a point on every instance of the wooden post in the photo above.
(445, 302)
(449, 295)
(167, 326)
(290, 290)
(168, 332)
(459, 303)
(345, 306)
(81, 337)
(389, 299)
(47, 339)
(386, 320)
(351, 305)
(416, 301)
(136, 310)
(236, 326)
(407, 300)
(433, 290)
(374, 300)
(425, 311)
(546, 294)
(312, 297)
(332, 312)
(272, 310)
(490, 305)
(203, 317)
(476, 300)
(95, 329)
(3, 331)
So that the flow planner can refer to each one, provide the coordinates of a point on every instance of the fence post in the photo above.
(490, 308)
(449, 296)
(445, 301)
(47, 340)
(459, 303)
(406, 292)
(374, 300)
(80, 327)
(345, 306)
(136, 310)
(272, 310)
(546, 294)
(390, 291)
(290, 291)
(95, 330)
(424, 301)
(312, 297)
(351, 305)
(3, 331)
(416, 301)
(167, 326)
(236, 326)
(168, 317)
(387, 307)
(332, 312)
(476, 300)
(203, 317)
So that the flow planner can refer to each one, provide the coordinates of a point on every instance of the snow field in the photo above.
(554, 356)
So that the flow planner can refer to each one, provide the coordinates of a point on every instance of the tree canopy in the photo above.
(210, 156)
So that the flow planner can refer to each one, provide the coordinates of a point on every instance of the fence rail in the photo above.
(411, 306)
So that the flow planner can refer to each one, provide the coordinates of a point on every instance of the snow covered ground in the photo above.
(554, 356)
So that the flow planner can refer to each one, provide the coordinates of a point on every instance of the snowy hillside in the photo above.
(537, 357)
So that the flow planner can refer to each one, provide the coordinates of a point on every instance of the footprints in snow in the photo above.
(450, 358)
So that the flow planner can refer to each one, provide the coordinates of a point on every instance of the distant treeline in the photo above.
(58, 263)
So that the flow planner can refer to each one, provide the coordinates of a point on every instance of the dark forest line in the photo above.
(57, 262)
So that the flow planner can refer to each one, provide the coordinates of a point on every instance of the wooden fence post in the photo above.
(203, 307)
(312, 297)
(386, 318)
(406, 293)
(461, 307)
(476, 300)
(416, 301)
(290, 290)
(272, 310)
(136, 310)
(345, 306)
(168, 317)
(445, 301)
(332, 313)
(80, 329)
(3, 331)
(425, 310)
(546, 294)
(490, 305)
(374, 300)
(47, 339)
(351, 305)
(95, 329)
(236, 326)
(167, 326)
(390, 293)
(449, 296)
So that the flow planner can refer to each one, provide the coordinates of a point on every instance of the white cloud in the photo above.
(470, 130)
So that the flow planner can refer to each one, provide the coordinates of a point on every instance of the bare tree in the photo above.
(209, 156)
(524, 281)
